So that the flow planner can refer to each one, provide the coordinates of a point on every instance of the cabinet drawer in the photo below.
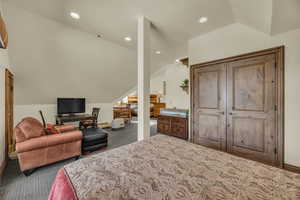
(163, 128)
(179, 121)
(179, 131)
(164, 120)
(173, 126)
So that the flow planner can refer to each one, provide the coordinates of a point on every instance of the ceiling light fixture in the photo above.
(202, 20)
(158, 52)
(74, 15)
(127, 39)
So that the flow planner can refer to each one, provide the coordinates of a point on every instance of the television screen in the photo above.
(70, 105)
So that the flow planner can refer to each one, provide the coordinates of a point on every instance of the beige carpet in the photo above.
(15, 186)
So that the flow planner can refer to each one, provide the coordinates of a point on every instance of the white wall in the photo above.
(51, 59)
(173, 74)
(4, 63)
(238, 39)
(50, 110)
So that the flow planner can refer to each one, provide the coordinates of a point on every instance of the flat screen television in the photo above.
(70, 105)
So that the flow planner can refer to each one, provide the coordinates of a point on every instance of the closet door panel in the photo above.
(251, 108)
(209, 106)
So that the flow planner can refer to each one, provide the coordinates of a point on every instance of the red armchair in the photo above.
(34, 148)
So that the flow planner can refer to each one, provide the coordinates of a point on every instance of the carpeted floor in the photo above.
(15, 186)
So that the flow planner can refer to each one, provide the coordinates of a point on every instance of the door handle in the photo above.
(230, 113)
(222, 113)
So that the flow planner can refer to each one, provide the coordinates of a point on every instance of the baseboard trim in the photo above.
(292, 168)
(2, 167)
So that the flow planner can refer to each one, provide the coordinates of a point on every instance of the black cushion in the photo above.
(93, 134)
(93, 139)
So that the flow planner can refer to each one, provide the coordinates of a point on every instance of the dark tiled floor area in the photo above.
(15, 186)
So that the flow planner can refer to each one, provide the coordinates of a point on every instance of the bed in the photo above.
(167, 168)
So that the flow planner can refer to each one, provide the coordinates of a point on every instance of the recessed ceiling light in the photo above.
(202, 20)
(127, 39)
(74, 15)
(158, 52)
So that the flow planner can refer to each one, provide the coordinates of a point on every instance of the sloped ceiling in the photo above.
(175, 20)
(286, 16)
(52, 60)
(269, 16)
(254, 13)
(54, 55)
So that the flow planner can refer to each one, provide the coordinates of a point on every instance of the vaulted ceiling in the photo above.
(54, 55)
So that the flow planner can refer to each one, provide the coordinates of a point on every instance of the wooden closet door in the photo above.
(209, 100)
(251, 131)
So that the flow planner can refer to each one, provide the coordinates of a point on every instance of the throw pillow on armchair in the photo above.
(51, 129)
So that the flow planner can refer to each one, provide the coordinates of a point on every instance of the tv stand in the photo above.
(61, 119)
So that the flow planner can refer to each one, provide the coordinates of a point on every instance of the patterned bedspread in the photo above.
(167, 168)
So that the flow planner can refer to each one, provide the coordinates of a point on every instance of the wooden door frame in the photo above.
(7, 135)
(279, 56)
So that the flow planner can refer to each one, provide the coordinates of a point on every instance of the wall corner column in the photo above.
(143, 55)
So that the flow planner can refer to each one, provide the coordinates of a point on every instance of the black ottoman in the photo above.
(93, 139)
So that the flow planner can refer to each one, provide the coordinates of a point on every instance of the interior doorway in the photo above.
(9, 117)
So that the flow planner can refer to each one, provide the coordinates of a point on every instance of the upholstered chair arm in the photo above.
(65, 128)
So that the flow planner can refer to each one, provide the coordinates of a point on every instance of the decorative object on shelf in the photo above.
(185, 85)
(185, 61)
